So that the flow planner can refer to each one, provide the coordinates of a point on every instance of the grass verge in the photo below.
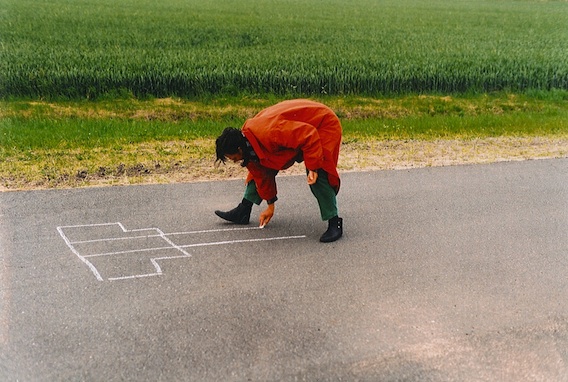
(76, 144)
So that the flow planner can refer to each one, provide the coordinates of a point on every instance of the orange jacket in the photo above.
(291, 131)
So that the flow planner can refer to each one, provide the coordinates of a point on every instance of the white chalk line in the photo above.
(160, 234)
(159, 269)
(156, 266)
(156, 235)
(172, 243)
(196, 245)
(82, 258)
(133, 277)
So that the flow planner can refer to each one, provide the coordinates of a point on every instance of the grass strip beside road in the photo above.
(76, 144)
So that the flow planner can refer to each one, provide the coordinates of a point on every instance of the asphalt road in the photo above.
(443, 274)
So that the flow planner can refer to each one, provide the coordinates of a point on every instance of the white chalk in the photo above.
(137, 242)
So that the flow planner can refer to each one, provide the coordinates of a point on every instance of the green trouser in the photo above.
(324, 193)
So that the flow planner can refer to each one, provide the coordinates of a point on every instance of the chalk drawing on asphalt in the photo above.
(109, 248)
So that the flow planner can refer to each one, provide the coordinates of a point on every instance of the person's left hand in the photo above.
(312, 177)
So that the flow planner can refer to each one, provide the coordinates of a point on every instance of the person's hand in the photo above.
(266, 215)
(312, 177)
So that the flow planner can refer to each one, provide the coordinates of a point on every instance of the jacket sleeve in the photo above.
(304, 137)
(265, 180)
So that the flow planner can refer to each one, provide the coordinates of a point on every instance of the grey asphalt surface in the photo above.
(443, 274)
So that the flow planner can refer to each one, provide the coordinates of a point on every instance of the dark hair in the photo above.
(229, 142)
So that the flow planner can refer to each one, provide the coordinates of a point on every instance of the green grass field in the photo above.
(86, 125)
(76, 49)
(80, 143)
(106, 91)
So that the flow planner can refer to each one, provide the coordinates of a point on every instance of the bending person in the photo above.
(273, 140)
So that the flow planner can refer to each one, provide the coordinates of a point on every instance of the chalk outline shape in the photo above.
(159, 233)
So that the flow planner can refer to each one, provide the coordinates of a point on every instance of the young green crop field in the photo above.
(86, 49)
(122, 91)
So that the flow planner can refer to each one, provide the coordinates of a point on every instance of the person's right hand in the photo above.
(266, 215)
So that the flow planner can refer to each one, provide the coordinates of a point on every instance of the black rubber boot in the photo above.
(334, 230)
(238, 215)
